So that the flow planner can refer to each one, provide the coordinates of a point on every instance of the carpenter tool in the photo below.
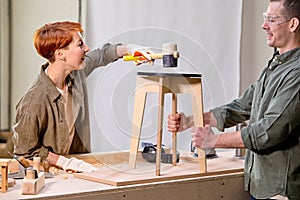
(22, 161)
(33, 182)
(46, 166)
(36, 163)
(134, 58)
(21, 172)
(169, 55)
(149, 154)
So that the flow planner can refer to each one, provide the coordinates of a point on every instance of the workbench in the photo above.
(226, 185)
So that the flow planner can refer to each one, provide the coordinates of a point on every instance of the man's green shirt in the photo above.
(272, 106)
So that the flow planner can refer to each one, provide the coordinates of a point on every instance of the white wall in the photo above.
(4, 63)
(254, 52)
(200, 35)
(27, 16)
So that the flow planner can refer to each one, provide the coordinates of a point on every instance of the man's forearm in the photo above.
(208, 119)
(229, 140)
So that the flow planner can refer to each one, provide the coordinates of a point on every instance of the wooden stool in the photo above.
(4, 174)
(164, 83)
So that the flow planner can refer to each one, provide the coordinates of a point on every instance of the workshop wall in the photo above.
(4, 63)
(20, 63)
(219, 39)
(26, 17)
(207, 33)
(214, 37)
(254, 49)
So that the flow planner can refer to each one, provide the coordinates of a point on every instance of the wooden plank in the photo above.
(188, 167)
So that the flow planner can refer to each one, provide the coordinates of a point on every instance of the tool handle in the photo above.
(24, 161)
(133, 58)
(21, 160)
(46, 165)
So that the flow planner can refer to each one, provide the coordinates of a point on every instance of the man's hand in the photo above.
(179, 122)
(203, 137)
(74, 164)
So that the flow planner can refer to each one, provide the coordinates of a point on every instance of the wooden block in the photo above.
(4, 162)
(13, 166)
(36, 163)
(4, 174)
(33, 186)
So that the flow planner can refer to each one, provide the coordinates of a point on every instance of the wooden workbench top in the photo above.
(68, 186)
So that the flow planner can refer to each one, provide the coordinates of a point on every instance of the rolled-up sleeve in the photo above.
(235, 112)
(280, 118)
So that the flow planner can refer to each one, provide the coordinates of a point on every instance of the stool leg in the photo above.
(197, 104)
(174, 134)
(161, 94)
(138, 113)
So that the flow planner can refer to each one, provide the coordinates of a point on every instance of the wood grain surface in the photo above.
(188, 167)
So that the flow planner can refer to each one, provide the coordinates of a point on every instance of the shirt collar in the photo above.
(279, 59)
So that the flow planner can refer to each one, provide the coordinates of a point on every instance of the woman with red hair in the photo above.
(52, 118)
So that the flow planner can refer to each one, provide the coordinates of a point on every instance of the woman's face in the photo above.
(75, 53)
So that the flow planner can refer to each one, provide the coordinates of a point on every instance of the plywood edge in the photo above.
(86, 176)
(90, 177)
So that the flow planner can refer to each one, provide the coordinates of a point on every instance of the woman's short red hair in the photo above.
(54, 36)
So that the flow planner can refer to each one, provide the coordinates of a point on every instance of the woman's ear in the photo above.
(59, 55)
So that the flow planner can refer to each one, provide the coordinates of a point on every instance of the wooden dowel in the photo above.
(174, 134)
(160, 122)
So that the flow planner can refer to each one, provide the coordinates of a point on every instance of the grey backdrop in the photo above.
(207, 33)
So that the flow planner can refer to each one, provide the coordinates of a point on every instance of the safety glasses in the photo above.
(274, 20)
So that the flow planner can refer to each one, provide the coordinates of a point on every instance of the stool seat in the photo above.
(162, 74)
(163, 83)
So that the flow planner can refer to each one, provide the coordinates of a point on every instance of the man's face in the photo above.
(276, 25)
